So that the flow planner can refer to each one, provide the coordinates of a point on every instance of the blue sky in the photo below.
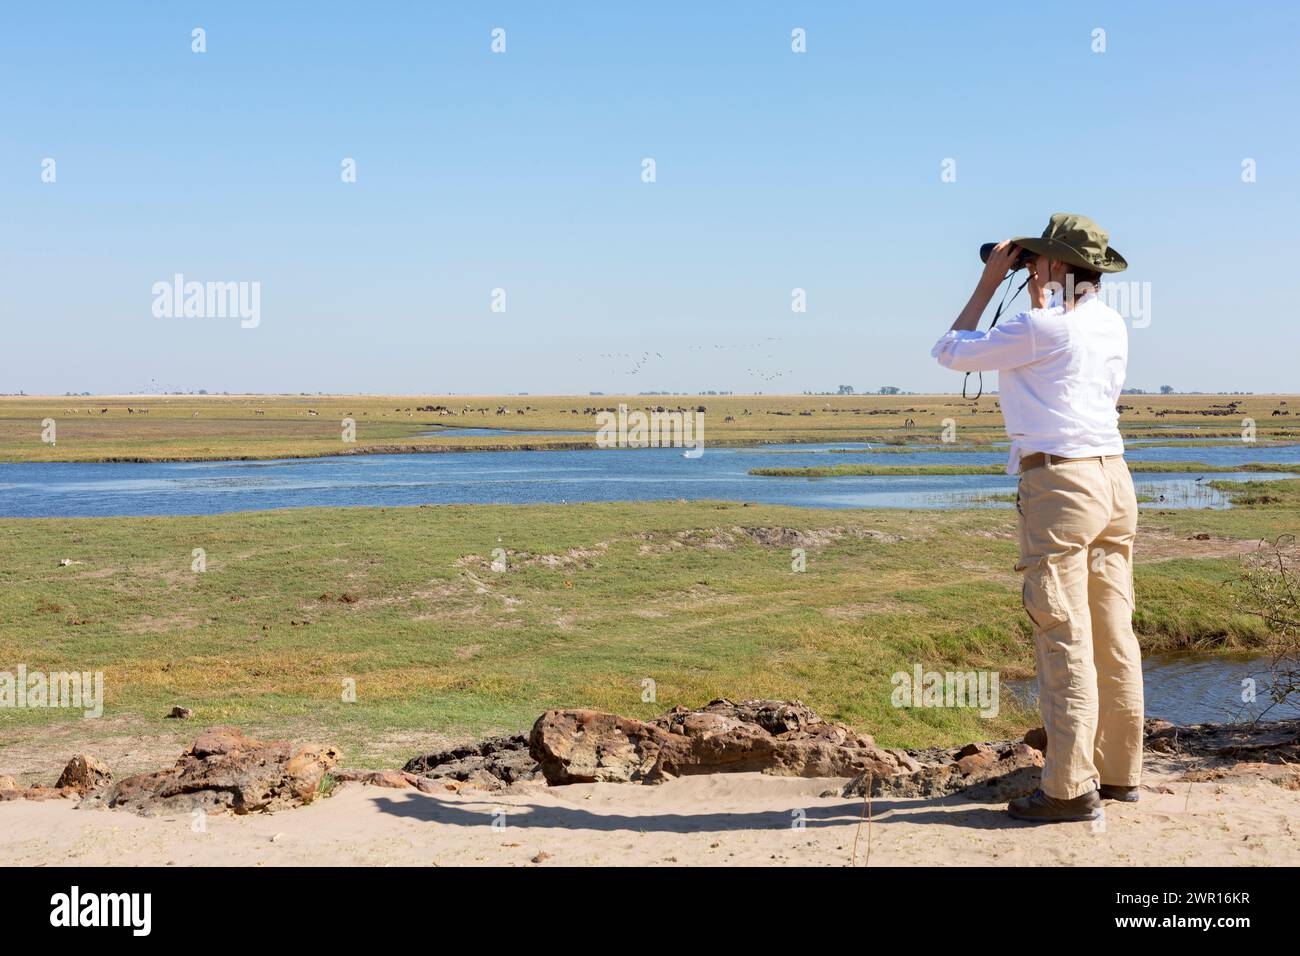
(522, 171)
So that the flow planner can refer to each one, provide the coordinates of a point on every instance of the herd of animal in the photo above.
(105, 411)
(1224, 410)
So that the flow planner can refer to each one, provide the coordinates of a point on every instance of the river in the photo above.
(98, 489)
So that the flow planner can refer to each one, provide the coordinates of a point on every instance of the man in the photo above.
(1060, 367)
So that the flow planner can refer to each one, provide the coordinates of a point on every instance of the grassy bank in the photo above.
(191, 428)
(595, 600)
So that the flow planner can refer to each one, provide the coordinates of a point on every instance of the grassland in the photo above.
(154, 428)
(700, 598)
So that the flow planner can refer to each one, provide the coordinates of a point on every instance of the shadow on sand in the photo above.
(950, 811)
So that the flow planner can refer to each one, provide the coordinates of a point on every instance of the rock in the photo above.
(181, 713)
(1037, 738)
(906, 762)
(1017, 772)
(38, 793)
(988, 772)
(85, 774)
(582, 746)
(1154, 728)
(975, 763)
(777, 737)
(224, 770)
(490, 764)
(395, 779)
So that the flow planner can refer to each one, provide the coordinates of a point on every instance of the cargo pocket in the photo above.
(1041, 594)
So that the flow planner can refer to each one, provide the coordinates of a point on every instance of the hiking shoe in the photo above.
(1110, 791)
(1040, 808)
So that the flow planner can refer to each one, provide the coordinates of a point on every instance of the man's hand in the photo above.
(1001, 260)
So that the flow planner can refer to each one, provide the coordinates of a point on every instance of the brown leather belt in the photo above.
(1038, 459)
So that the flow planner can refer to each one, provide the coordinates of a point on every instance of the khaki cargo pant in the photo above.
(1077, 523)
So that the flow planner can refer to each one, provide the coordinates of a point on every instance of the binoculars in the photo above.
(1022, 260)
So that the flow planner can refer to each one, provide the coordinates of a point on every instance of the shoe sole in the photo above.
(1087, 817)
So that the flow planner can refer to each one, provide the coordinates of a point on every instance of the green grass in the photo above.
(596, 599)
(197, 428)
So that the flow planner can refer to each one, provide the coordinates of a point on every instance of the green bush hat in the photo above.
(1076, 240)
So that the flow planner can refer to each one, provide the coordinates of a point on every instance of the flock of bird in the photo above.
(640, 360)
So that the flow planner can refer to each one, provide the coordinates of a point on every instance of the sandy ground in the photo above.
(720, 819)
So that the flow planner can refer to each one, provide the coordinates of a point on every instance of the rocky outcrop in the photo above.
(224, 770)
(85, 774)
(776, 737)
(988, 772)
(489, 764)
(1270, 742)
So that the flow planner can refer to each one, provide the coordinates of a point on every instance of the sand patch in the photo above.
(745, 819)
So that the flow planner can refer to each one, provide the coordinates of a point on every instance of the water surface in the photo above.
(67, 489)
(1193, 689)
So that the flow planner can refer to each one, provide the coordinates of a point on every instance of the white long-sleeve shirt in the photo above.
(1059, 377)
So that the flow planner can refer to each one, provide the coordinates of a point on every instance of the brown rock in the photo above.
(988, 772)
(224, 770)
(974, 750)
(777, 737)
(585, 746)
(974, 763)
(85, 774)
(1037, 738)
(906, 762)
(38, 793)
(1017, 772)
(1154, 728)
(395, 779)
